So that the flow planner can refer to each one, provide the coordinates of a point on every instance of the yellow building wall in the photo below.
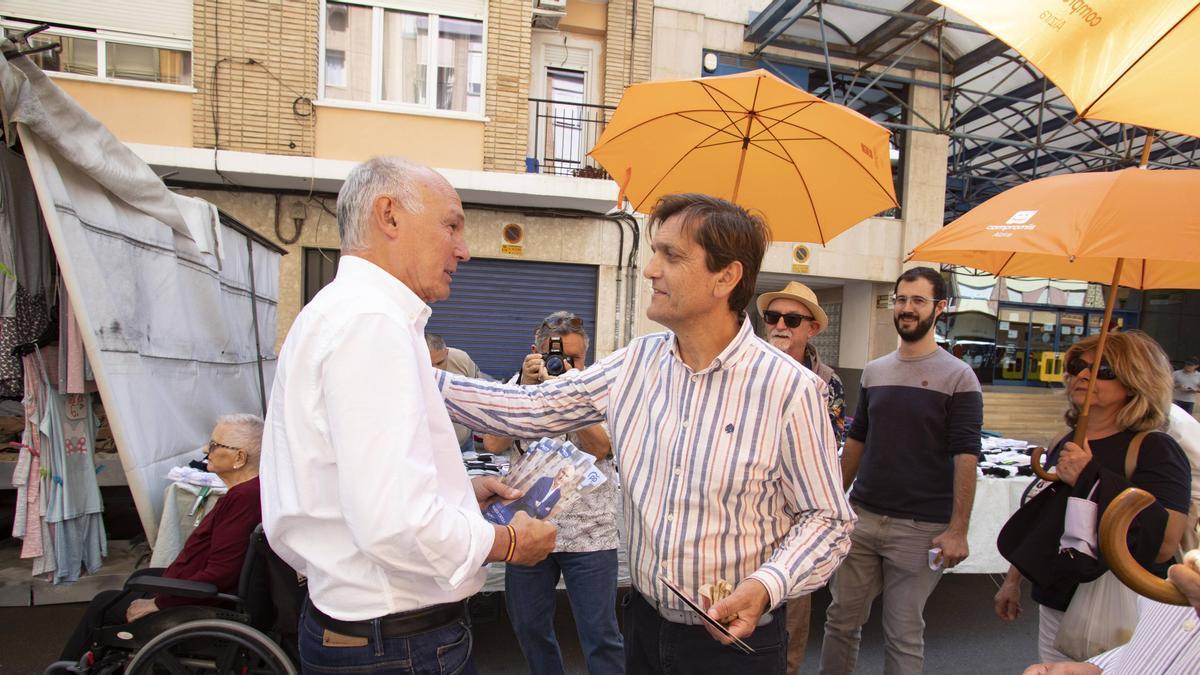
(126, 110)
(361, 134)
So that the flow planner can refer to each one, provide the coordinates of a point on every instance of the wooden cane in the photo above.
(1114, 532)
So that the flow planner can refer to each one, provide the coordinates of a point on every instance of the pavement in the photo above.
(962, 634)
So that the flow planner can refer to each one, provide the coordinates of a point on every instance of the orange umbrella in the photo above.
(1131, 62)
(1136, 228)
(813, 168)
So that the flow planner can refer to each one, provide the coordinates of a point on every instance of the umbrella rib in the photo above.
(803, 183)
(708, 91)
(764, 148)
(776, 122)
(677, 113)
(724, 129)
(845, 152)
(666, 173)
(1084, 112)
(1000, 272)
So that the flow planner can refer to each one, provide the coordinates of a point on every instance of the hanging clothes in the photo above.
(73, 505)
(74, 372)
(24, 241)
(28, 523)
(26, 327)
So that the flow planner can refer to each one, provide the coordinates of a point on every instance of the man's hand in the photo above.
(1071, 462)
(139, 608)
(533, 369)
(1008, 601)
(740, 611)
(1062, 668)
(1188, 582)
(489, 489)
(954, 546)
(535, 539)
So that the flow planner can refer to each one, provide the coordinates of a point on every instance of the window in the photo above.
(92, 54)
(402, 58)
(320, 267)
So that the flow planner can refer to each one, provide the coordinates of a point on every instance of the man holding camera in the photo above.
(586, 553)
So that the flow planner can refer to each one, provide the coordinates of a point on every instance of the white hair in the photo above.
(245, 433)
(377, 177)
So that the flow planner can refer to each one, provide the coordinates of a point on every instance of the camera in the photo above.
(556, 362)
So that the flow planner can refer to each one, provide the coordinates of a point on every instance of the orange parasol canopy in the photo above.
(813, 168)
(1120, 61)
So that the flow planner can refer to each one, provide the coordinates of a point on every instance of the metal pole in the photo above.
(262, 385)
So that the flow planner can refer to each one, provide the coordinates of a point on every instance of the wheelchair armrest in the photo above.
(183, 588)
(146, 571)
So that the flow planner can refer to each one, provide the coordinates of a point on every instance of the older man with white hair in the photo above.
(364, 490)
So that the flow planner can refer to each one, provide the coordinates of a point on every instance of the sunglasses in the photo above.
(791, 319)
(563, 319)
(1078, 365)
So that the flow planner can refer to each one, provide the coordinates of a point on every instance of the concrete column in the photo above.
(858, 309)
(925, 154)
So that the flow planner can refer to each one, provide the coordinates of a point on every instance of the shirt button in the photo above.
(671, 517)
(678, 471)
(1189, 625)
(684, 424)
(663, 564)
(695, 377)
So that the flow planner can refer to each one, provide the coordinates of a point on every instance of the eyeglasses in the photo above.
(560, 319)
(1078, 365)
(917, 301)
(791, 319)
(213, 445)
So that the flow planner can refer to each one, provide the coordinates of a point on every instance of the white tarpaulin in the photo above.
(162, 289)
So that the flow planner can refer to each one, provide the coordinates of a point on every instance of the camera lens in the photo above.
(555, 365)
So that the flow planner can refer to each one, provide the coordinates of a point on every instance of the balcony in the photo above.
(560, 136)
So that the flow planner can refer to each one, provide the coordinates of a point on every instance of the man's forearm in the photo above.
(594, 441)
(964, 491)
(851, 455)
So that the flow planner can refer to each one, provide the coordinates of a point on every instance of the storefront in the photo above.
(1017, 331)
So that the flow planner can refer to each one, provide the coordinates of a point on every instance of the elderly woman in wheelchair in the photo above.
(206, 577)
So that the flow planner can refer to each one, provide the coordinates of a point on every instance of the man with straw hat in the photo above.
(793, 316)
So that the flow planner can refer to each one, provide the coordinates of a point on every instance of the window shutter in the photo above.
(163, 18)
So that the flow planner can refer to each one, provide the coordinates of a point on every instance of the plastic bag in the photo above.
(1102, 616)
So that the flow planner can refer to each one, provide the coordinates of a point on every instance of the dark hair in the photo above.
(725, 231)
(1192, 361)
(928, 274)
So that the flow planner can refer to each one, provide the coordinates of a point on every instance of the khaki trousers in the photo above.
(888, 555)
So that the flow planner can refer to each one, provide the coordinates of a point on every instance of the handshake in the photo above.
(524, 540)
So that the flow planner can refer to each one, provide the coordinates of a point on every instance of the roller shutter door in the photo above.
(495, 305)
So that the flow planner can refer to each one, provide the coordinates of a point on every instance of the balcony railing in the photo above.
(561, 135)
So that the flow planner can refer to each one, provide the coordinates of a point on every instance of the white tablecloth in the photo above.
(995, 500)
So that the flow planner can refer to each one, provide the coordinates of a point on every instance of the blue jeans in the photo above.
(441, 651)
(592, 587)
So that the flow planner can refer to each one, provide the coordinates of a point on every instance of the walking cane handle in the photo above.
(1035, 463)
(1114, 530)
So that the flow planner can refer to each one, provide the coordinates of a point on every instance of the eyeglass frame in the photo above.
(212, 445)
(786, 318)
(1104, 372)
(917, 301)
(569, 319)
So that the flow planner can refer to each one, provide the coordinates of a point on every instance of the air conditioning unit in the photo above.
(547, 13)
(557, 5)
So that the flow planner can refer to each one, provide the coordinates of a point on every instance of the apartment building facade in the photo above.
(263, 106)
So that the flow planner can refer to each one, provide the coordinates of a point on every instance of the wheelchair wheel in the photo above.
(211, 646)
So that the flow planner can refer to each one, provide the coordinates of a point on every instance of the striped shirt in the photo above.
(728, 472)
(1166, 641)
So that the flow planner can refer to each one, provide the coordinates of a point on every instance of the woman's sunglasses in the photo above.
(791, 320)
(1078, 365)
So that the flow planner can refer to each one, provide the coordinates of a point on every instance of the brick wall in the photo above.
(507, 86)
(253, 109)
(619, 69)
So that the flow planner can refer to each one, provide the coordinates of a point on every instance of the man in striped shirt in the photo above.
(1165, 642)
(726, 455)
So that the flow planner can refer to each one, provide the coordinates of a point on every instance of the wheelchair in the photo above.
(255, 633)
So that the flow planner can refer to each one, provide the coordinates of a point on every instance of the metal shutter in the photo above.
(495, 305)
(167, 18)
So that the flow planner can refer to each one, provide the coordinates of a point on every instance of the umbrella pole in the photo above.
(1082, 423)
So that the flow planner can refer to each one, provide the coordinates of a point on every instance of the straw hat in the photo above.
(800, 293)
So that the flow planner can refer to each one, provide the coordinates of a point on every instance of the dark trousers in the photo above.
(655, 646)
(97, 616)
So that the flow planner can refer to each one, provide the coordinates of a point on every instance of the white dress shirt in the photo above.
(363, 487)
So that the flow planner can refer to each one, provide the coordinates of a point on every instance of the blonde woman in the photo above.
(1133, 394)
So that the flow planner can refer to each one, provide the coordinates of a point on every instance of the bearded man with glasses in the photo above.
(911, 454)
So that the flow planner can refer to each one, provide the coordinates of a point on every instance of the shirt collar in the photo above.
(732, 353)
(354, 268)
